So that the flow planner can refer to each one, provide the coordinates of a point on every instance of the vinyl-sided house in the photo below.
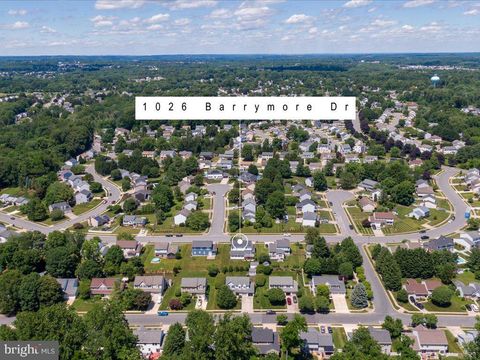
(416, 289)
(279, 249)
(194, 285)
(471, 290)
(203, 248)
(241, 249)
(62, 206)
(166, 250)
(240, 285)
(104, 286)
(366, 204)
(441, 243)
(429, 342)
(316, 342)
(181, 217)
(265, 341)
(383, 338)
(379, 219)
(286, 283)
(69, 287)
(134, 220)
(130, 248)
(151, 284)
(335, 285)
(149, 341)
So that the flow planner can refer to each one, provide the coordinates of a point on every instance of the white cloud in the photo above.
(47, 29)
(343, 27)
(299, 19)
(155, 27)
(221, 14)
(157, 18)
(431, 28)
(118, 4)
(383, 23)
(356, 3)
(190, 4)
(407, 27)
(17, 25)
(417, 3)
(253, 13)
(472, 12)
(102, 21)
(18, 12)
(372, 9)
(286, 38)
(313, 30)
(182, 22)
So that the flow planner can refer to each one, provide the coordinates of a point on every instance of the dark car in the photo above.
(169, 235)
(420, 306)
(330, 203)
(322, 329)
(424, 237)
(468, 307)
(412, 299)
(12, 218)
(178, 235)
(422, 231)
(330, 330)
(162, 313)
(270, 312)
(350, 226)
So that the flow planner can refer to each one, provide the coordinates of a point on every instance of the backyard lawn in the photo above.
(81, 208)
(466, 277)
(339, 337)
(458, 305)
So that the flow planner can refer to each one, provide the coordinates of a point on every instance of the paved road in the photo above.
(382, 305)
(113, 193)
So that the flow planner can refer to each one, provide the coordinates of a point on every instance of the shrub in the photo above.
(175, 304)
(402, 296)
(276, 296)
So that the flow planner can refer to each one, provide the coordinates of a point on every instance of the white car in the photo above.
(287, 234)
(474, 307)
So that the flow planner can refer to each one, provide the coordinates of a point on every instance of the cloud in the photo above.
(220, 14)
(102, 21)
(356, 3)
(313, 30)
(431, 28)
(299, 19)
(157, 18)
(472, 12)
(118, 4)
(190, 4)
(182, 22)
(252, 13)
(155, 27)
(47, 29)
(383, 23)
(17, 12)
(407, 27)
(17, 25)
(417, 3)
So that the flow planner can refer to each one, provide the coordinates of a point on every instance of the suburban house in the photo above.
(62, 206)
(130, 248)
(240, 285)
(383, 338)
(309, 219)
(214, 175)
(424, 191)
(181, 217)
(194, 285)
(69, 287)
(471, 290)
(149, 341)
(241, 249)
(304, 195)
(468, 240)
(441, 243)
(366, 204)
(134, 220)
(429, 342)
(279, 249)
(466, 337)
(83, 196)
(432, 284)
(286, 283)
(416, 289)
(314, 341)
(309, 181)
(368, 185)
(203, 248)
(190, 197)
(335, 285)
(166, 250)
(306, 206)
(419, 212)
(99, 220)
(151, 284)
(379, 219)
(265, 341)
(104, 286)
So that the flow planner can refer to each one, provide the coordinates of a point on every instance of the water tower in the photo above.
(435, 80)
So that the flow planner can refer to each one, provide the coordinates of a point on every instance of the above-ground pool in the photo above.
(155, 260)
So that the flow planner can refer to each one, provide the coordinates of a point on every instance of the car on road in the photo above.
(270, 312)
(113, 201)
(162, 313)
(330, 203)
(289, 301)
(474, 307)
(169, 235)
(422, 231)
(12, 218)
(178, 235)
(424, 237)
(287, 234)
(350, 226)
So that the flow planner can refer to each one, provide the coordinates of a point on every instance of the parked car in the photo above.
(162, 313)
(422, 231)
(468, 307)
(330, 330)
(289, 301)
(270, 312)
(12, 218)
(169, 235)
(474, 307)
(412, 299)
(420, 306)
(330, 203)
(424, 237)
(294, 299)
(350, 226)
(322, 329)
(178, 235)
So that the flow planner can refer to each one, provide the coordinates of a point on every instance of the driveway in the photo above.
(247, 304)
(218, 206)
(340, 303)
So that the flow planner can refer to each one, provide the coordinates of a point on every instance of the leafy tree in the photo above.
(276, 204)
(201, 330)
(290, 334)
(96, 187)
(282, 319)
(323, 290)
(394, 326)
(89, 269)
(116, 175)
(472, 348)
(35, 210)
(174, 341)
(319, 181)
(130, 205)
(403, 193)
(233, 339)
(198, 220)
(360, 346)
(56, 215)
(252, 169)
(49, 291)
(359, 298)
(28, 292)
(126, 184)
(226, 299)
(446, 272)
(402, 296)
(322, 304)
(162, 197)
(306, 305)
(61, 262)
(442, 296)
(276, 296)
(346, 269)
(351, 252)
(312, 266)
(348, 180)
(58, 192)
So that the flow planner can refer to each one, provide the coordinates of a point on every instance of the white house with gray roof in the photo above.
(240, 285)
(286, 283)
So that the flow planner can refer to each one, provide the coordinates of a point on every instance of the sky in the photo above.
(157, 27)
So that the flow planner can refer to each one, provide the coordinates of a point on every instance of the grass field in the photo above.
(453, 346)
(466, 277)
(339, 337)
(86, 305)
(458, 305)
(82, 208)
(358, 216)
(437, 216)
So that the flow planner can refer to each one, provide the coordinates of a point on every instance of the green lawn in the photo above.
(167, 226)
(331, 182)
(458, 305)
(325, 214)
(327, 229)
(437, 216)
(15, 191)
(291, 226)
(82, 208)
(207, 202)
(466, 277)
(339, 337)
(453, 346)
(358, 216)
(86, 305)
(260, 300)
(403, 223)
